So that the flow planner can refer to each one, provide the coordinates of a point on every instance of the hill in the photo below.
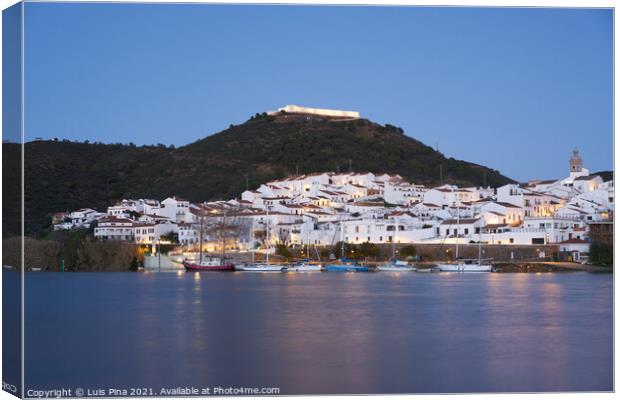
(605, 175)
(63, 175)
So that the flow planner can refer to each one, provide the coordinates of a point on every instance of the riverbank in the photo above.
(549, 267)
(533, 267)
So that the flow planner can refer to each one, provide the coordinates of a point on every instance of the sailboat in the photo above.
(395, 265)
(306, 265)
(465, 265)
(208, 263)
(261, 267)
(345, 264)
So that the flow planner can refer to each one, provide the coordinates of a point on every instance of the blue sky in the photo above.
(513, 89)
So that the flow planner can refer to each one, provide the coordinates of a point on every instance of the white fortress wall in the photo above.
(317, 111)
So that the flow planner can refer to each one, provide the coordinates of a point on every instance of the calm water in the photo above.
(320, 333)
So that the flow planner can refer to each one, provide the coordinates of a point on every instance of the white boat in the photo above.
(305, 267)
(465, 267)
(461, 265)
(261, 267)
(248, 267)
(395, 266)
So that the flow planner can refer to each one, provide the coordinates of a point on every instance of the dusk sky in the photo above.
(512, 89)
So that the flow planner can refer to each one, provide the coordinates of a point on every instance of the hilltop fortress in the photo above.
(323, 112)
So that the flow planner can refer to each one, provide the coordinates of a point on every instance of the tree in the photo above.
(601, 254)
(349, 250)
(408, 251)
(367, 249)
(283, 251)
(170, 236)
(133, 266)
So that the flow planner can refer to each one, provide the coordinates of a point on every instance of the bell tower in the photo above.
(576, 164)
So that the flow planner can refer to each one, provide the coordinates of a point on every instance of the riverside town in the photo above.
(307, 222)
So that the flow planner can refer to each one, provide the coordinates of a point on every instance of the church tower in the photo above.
(576, 164)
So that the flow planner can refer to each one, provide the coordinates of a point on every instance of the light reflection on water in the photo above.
(321, 332)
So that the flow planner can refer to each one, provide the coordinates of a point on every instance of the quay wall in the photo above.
(445, 252)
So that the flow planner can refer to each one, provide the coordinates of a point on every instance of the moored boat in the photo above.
(395, 266)
(305, 266)
(346, 266)
(251, 267)
(465, 267)
(211, 264)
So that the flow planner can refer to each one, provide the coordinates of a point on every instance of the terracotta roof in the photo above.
(109, 219)
(462, 221)
(507, 205)
(574, 241)
(494, 226)
(141, 225)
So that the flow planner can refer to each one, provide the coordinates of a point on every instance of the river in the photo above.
(321, 333)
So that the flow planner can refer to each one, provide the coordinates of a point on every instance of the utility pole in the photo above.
(440, 173)
(337, 168)
(247, 182)
(350, 165)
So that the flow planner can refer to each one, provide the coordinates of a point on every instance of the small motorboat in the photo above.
(395, 266)
(346, 266)
(252, 267)
(305, 266)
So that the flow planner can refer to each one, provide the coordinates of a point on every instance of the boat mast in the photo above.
(394, 239)
(201, 236)
(224, 238)
(457, 226)
(252, 240)
(341, 241)
(308, 244)
(268, 236)
(479, 248)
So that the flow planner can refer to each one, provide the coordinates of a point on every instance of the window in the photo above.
(466, 231)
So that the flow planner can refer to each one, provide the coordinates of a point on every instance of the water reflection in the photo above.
(322, 333)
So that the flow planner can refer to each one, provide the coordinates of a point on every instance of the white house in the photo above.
(577, 248)
(174, 208)
(114, 228)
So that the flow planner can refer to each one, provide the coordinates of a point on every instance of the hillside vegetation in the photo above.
(62, 175)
